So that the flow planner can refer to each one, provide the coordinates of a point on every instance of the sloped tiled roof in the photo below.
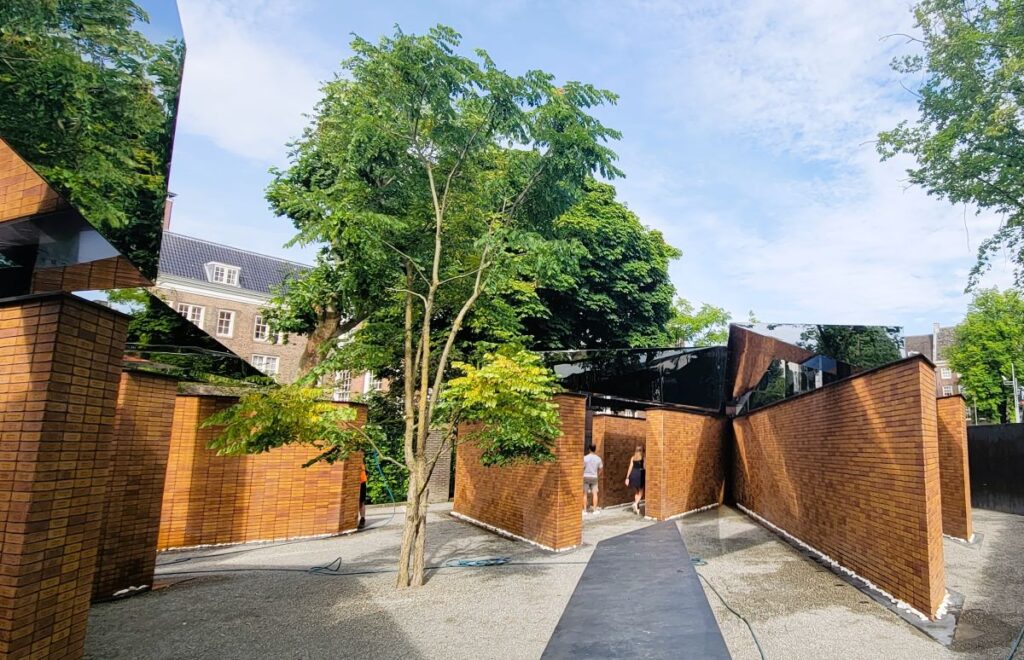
(919, 344)
(184, 256)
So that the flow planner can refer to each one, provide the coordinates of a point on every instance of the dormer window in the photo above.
(222, 273)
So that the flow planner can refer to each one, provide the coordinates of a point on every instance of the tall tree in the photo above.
(90, 102)
(985, 344)
(969, 138)
(432, 179)
(863, 346)
(612, 287)
(707, 326)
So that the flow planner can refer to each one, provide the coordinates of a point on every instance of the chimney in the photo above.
(168, 204)
(935, 342)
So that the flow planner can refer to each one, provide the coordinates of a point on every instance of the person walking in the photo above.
(635, 477)
(362, 497)
(592, 468)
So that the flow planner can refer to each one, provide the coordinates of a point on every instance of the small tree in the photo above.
(985, 344)
(432, 180)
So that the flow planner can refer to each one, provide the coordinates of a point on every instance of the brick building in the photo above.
(934, 346)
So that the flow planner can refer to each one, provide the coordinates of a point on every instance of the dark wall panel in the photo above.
(996, 455)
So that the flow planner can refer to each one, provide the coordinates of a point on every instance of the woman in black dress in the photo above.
(635, 477)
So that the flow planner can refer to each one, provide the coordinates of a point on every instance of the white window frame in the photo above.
(257, 323)
(342, 386)
(188, 310)
(231, 323)
(946, 373)
(260, 361)
(231, 274)
(370, 383)
(947, 390)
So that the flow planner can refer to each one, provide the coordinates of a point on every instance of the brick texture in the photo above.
(616, 438)
(439, 484)
(23, 193)
(135, 486)
(685, 464)
(60, 363)
(750, 355)
(211, 499)
(853, 470)
(953, 468)
(542, 503)
(111, 273)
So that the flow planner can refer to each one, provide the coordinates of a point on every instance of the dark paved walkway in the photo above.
(639, 597)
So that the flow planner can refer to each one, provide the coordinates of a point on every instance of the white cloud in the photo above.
(247, 81)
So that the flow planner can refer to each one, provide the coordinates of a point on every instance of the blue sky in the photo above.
(747, 131)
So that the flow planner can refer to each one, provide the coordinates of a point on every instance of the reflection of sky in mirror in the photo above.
(164, 22)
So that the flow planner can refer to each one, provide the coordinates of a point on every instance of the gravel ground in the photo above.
(264, 603)
(800, 610)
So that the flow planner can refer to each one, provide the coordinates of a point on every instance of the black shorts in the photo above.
(362, 492)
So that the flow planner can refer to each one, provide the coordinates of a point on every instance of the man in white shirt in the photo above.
(593, 466)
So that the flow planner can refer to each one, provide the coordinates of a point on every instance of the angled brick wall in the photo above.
(60, 362)
(616, 438)
(211, 499)
(954, 473)
(135, 487)
(852, 469)
(685, 462)
(539, 502)
(23, 193)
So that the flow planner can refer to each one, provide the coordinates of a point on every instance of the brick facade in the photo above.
(60, 362)
(685, 462)
(616, 438)
(23, 193)
(439, 484)
(210, 499)
(538, 502)
(853, 470)
(135, 486)
(953, 468)
(111, 273)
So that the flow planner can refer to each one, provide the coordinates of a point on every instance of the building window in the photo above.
(946, 373)
(960, 389)
(370, 383)
(342, 386)
(260, 329)
(193, 313)
(947, 390)
(225, 323)
(223, 274)
(268, 364)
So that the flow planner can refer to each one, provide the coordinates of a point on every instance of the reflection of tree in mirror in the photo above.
(158, 333)
(771, 388)
(90, 103)
(858, 345)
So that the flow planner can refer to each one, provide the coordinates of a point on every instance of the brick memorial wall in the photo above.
(616, 438)
(852, 469)
(210, 499)
(954, 472)
(60, 364)
(135, 486)
(538, 502)
(685, 462)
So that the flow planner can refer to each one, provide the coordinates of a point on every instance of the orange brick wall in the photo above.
(22, 191)
(616, 438)
(211, 499)
(852, 469)
(685, 464)
(953, 468)
(539, 502)
(60, 362)
(110, 273)
(135, 486)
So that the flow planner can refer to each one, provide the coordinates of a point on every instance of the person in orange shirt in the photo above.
(362, 496)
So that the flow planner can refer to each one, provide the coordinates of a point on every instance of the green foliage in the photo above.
(384, 416)
(89, 101)
(274, 416)
(863, 346)
(969, 139)
(606, 284)
(510, 395)
(707, 326)
(989, 340)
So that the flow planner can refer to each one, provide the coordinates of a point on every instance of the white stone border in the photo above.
(943, 606)
(684, 513)
(969, 541)
(204, 546)
(507, 534)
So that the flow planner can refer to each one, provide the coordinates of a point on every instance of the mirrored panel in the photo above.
(682, 376)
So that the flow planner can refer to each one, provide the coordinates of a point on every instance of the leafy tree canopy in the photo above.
(707, 326)
(989, 340)
(863, 346)
(89, 101)
(969, 137)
